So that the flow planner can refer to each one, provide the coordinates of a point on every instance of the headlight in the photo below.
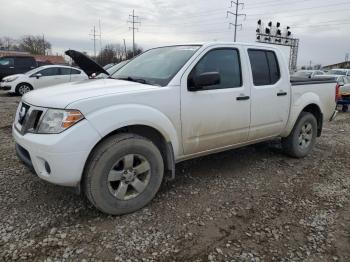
(10, 78)
(56, 120)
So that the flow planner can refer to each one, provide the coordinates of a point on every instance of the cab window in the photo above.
(224, 61)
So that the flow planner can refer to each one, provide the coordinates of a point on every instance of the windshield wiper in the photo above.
(138, 80)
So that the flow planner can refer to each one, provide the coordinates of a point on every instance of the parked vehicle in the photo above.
(117, 138)
(10, 65)
(308, 73)
(41, 77)
(341, 79)
(113, 69)
(108, 66)
(339, 71)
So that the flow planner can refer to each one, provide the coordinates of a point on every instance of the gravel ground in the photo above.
(250, 204)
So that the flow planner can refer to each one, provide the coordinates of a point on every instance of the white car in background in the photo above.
(339, 71)
(43, 76)
(307, 73)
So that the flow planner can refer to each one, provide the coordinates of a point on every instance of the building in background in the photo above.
(345, 64)
(13, 53)
(41, 59)
(50, 60)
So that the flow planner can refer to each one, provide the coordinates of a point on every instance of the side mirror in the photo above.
(203, 80)
(38, 75)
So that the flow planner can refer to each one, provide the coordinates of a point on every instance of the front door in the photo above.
(219, 115)
(49, 77)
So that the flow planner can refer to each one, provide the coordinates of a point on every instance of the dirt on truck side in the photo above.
(248, 204)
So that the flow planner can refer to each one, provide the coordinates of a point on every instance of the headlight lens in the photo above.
(10, 78)
(56, 120)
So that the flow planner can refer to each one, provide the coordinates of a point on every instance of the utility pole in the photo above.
(44, 51)
(236, 14)
(134, 22)
(99, 24)
(126, 56)
(94, 35)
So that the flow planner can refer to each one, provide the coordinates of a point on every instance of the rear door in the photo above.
(71, 74)
(216, 116)
(270, 94)
(24, 64)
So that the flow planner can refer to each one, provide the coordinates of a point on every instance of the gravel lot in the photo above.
(250, 204)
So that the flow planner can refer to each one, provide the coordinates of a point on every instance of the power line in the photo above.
(236, 14)
(133, 27)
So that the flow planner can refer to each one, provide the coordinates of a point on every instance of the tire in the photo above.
(345, 108)
(23, 88)
(303, 136)
(123, 161)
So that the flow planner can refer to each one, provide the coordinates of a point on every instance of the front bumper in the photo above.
(5, 86)
(57, 158)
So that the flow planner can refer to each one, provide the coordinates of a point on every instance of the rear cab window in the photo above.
(265, 67)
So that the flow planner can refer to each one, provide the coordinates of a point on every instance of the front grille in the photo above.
(29, 118)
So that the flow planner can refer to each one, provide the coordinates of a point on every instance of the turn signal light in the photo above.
(73, 117)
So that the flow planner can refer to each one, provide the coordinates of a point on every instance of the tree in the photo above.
(35, 45)
(115, 53)
(8, 43)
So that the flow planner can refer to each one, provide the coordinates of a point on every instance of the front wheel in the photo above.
(303, 136)
(23, 88)
(345, 108)
(124, 174)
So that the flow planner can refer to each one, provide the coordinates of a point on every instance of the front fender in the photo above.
(109, 119)
(299, 102)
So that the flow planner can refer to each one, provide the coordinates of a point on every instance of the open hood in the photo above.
(85, 63)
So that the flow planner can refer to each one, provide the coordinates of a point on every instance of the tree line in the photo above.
(115, 53)
(35, 45)
(38, 45)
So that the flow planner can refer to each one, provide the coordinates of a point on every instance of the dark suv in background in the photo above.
(10, 65)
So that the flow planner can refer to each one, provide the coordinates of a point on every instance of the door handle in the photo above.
(282, 94)
(240, 98)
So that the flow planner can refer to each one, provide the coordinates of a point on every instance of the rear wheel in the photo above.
(303, 136)
(23, 88)
(124, 174)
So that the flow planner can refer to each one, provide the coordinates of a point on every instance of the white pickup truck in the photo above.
(117, 138)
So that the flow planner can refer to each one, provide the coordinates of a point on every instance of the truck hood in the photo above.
(85, 63)
(60, 96)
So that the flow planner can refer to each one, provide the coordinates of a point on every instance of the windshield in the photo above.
(303, 73)
(337, 72)
(116, 67)
(112, 70)
(156, 66)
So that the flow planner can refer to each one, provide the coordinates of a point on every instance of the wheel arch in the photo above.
(21, 83)
(307, 102)
(316, 111)
(165, 147)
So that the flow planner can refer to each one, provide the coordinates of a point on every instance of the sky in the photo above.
(321, 25)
